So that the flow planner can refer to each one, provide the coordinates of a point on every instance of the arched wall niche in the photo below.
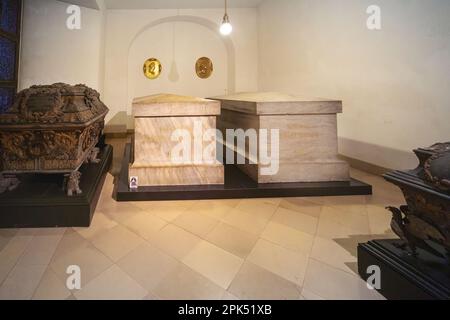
(198, 21)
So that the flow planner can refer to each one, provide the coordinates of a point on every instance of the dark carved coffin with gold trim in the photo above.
(427, 193)
(51, 129)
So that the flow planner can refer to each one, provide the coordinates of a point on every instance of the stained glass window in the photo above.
(9, 45)
(7, 59)
(6, 99)
(8, 12)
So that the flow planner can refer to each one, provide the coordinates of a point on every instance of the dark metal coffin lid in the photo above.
(54, 105)
(437, 170)
(410, 179)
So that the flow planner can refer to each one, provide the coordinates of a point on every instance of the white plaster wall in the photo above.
(177, 55)
(52, 53)
(124, 59)
(394, 82)
(103, 54)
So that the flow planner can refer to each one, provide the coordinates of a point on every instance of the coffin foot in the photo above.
(400, 245)
(93, 156)
(404, 246)
(73, 184)
(8, 183)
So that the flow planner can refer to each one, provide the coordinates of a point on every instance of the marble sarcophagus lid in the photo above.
(175, 141)
(307, 142)
(51, 129)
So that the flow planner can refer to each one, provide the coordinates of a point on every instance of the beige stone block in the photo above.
(117, 242)
(232, 240)
(153, 143)
(214, 263)
(255, 283)
(148, 266)
(278, 103)
(308, 145)
(185, 284)
(296, 220)
(51, 288)
(21, 282)
(288, 238)
(113, 284)
(196, 223)
(287, 264)
(330, 283)
(158, 158)
(326, 171)
(179, 175)
(173, 105)
(175, 241)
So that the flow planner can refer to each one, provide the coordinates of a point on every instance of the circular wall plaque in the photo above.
(204, 68)
(152, 68)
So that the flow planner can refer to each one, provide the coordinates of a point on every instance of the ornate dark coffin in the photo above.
(51, 129)
(426, 218)
(416, 267)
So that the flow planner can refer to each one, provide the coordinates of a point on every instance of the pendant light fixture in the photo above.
(226, 28)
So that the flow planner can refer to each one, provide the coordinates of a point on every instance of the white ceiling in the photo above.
(166, 4)
(84, 3)
(179, 4)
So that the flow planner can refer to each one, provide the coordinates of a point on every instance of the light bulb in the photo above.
(226, 28)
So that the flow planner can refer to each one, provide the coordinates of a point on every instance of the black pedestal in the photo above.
(237, 186)
(40, 202)
(404, 277)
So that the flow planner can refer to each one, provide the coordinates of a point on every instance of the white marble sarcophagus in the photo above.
(307, 129)
(175, 141)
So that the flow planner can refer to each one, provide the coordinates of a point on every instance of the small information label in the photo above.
(134, 183)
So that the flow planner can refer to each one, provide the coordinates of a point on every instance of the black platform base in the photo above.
(237, 186)
(404, 277)
(40, 202)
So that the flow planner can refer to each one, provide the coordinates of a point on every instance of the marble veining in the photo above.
(163, 123)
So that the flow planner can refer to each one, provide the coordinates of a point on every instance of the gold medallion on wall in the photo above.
(152, 68)
(204, 68)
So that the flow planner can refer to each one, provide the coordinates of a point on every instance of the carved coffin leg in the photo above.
(413, 250)
(400, 245)
(404, 246)
(8, 183)
(93, 156)
(73, 184)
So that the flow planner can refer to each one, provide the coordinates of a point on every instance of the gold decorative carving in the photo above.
(152, 68)
(51, 129)
(40, 104)
(55, 104)
(54, 149)
(204, 67)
